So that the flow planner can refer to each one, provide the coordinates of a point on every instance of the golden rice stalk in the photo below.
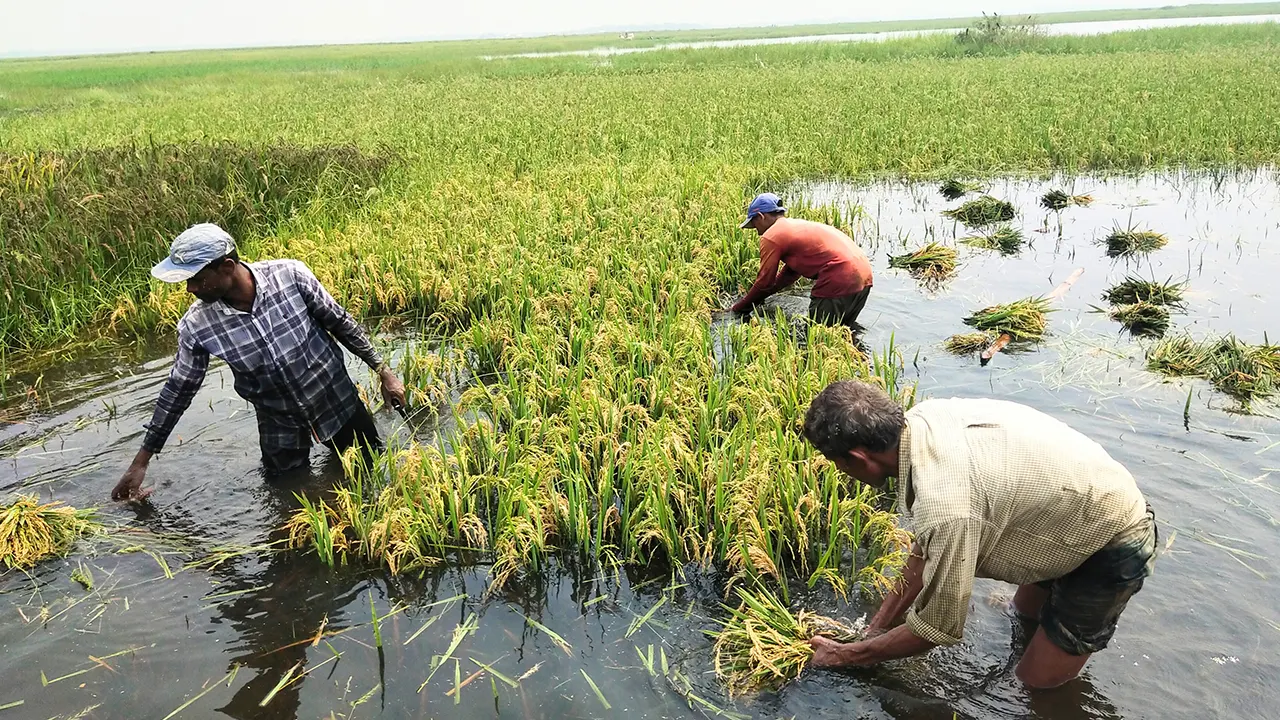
(763, 644)
(1022, 319)
(931, 262)
(31, 532)
(966, 343)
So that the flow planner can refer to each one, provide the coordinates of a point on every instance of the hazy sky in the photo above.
(42, 27)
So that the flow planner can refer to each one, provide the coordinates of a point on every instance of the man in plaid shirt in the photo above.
(274, 325)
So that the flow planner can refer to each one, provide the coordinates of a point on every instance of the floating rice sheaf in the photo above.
(31, 532)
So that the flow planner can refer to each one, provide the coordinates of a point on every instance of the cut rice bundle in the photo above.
(982, 211)
(1021, 320)
(763, 644)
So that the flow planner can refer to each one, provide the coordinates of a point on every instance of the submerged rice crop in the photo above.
(1142, 317)
(1059, 200)
(31, 531)
(1021, 320)
(1135, 290)
(1006, 239)
(985, 210)
(953, 189)
(642, 452)
(968, 343)
(1126, 242)
(763, 644)
(931, 262)
(1244, 371)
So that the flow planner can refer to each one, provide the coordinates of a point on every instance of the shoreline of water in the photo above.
(1092, 27)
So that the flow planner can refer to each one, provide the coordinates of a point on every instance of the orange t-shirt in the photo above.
(816, 251)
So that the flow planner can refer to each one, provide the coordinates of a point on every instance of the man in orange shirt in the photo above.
(839, 269)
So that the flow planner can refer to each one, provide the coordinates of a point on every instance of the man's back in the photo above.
(1041, 496)
(821, 252)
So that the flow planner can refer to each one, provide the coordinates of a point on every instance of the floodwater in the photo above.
(1199, 641)
(1076, 28)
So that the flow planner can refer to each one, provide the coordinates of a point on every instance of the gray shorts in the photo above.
(1084, 605)
(838, 310)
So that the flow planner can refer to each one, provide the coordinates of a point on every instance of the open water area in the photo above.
(1097, 27)
(221, 630)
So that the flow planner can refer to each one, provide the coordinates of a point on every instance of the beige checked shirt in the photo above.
(999, 490)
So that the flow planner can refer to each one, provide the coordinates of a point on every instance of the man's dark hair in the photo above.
(849, 415)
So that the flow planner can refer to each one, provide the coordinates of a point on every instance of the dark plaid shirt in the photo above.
(282, 354)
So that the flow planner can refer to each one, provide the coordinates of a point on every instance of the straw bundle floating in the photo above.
(1244, 371)
(1006, 239)
(1135, 290)
(954, 189)
(1022, 319)
(1142, 317)
(31, 532)
(985, 210)
(763, 644)
(1059, 200)
(968, 343)
(931, 262)
(1123, 243)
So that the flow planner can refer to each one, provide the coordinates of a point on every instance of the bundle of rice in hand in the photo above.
(763, 644)
(31, 532)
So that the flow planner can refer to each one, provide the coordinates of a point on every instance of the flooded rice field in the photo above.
(209, 624)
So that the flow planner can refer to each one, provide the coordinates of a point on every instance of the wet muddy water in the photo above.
(1199, 641)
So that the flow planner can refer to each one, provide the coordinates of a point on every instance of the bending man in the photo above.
(996, 490)
(839, 269)
(274, 325)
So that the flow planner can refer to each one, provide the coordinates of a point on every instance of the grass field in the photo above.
(564, 228)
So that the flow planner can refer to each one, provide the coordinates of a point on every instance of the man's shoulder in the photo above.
(278, 266)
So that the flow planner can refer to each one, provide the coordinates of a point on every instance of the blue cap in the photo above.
(764, 203)
(191, 251)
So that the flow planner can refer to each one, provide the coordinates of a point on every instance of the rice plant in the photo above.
(1142, 317)
(982, 211)
(969, 343)
(1135, 290)
(642, 451)
(763, 644)
(932, 262)
(1021, 320)
(1059, 200)
(953, 189)
(1244, 371)
(1129, 241)
(31, 531)
(1006, 239)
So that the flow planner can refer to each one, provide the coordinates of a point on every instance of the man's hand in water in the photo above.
(392, 389)
(827, 652)
(130, 485)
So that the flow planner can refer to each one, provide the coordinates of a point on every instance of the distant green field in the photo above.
(493, 158)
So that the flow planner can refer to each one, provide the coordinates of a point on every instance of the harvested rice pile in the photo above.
(985, 210)
(1142, 317)
(1243, 371)
(31, 532)
(955, 189)
(931, 262)
(1022, 319)
(1006, 239)
(1124, 243)
(763, 644)
(1059, 200)
(967, 343)
(1134, 290)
